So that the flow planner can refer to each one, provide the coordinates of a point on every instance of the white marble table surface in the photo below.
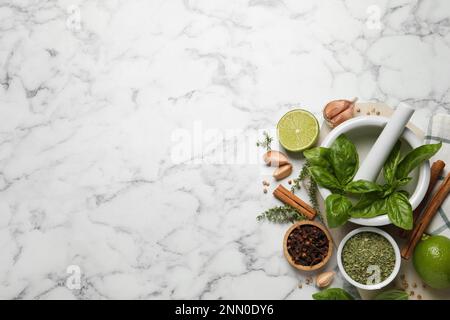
(100, 101)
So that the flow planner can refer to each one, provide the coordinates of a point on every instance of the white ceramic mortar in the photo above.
(361, 126)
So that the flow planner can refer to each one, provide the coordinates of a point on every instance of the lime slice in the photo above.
(297, 130)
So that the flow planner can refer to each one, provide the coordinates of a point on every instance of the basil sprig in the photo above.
(334, 168)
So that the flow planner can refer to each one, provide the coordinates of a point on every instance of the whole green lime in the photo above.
(432, 261)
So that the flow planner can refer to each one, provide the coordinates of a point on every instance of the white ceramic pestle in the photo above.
(375, 159)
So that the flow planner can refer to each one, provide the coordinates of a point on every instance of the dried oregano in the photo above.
(368, 258)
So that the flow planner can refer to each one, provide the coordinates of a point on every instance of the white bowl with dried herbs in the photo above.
(368, 258)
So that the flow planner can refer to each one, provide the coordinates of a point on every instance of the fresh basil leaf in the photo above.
(337, 208)
(402, 182)
(369, 207)
(332, 294)
(406, 193)
(318, 156)
(391, 163)
(388, 189)
(344, 159)
(415, 157)
(366, 199)
(392, 295)
(400, 211)
(324, 178)
(362, 186)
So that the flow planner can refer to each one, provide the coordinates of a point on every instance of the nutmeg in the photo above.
(275, 158)
(338, 111)
(282, 172)
(324, 279)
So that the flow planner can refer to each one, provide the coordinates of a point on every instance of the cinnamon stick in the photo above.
(287, 197)
(436, 169)
(425, 219)
(297, 199)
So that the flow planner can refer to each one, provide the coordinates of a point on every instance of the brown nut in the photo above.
(282, 172)
(338, 111)
(275, 158)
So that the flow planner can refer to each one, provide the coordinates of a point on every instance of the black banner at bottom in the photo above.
(229, 309)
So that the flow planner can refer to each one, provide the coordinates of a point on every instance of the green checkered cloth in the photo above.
(439, 130)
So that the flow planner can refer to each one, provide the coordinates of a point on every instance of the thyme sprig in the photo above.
(281, 214)
(266, 142)
(312, 190)
(310, 187)
(304, 173)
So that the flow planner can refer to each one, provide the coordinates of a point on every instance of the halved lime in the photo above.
(298, 130)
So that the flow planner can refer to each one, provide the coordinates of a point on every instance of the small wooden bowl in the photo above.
(289, 257)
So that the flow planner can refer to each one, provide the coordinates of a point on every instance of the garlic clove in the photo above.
(333, 108)
(341, 117)
(324, 279)
(275, 158)
(337, 111)
(282, 172)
